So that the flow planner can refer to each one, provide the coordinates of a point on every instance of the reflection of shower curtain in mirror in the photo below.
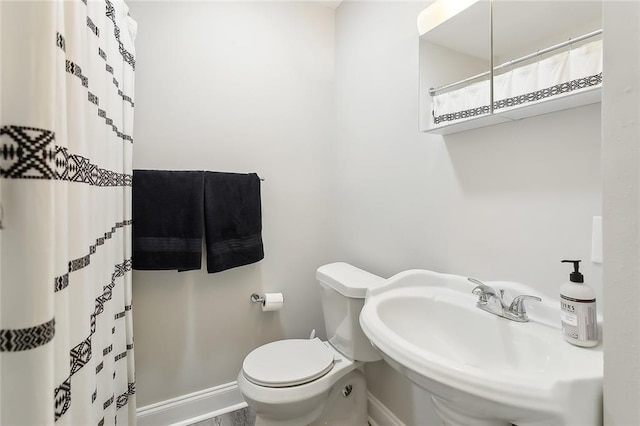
(565, 72)
(66, 343)
(469, 101)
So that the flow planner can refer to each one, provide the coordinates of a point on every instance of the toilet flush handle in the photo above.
(347, 391)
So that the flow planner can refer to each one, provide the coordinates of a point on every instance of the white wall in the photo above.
(240, 87)
(506, 202)
(249, 87)
(621, 181)
(502, 202)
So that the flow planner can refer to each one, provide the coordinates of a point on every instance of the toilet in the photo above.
(297, 382)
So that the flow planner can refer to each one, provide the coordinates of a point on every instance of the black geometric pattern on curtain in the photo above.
(94, 29)
(87, 333)
(109, 121)
(82, 352)
(62, 281)
(61, 43)
(124, 97)
(126, 55)
(124, 398)
(31, 153)
(24, 339)
(75, 69)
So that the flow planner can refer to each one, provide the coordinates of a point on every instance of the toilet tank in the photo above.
(343, 288)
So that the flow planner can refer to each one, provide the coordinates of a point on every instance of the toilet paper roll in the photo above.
(272, 302)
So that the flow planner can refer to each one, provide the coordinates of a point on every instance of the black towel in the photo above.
(233, 220)
(167, 219)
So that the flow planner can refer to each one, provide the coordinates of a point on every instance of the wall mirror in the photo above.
(485, 62)
(547, 55)
(455, 62)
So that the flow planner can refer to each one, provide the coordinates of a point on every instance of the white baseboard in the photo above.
(193, 407)
(379, 414)
(208, 403)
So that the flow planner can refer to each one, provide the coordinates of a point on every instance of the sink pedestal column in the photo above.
(452, 417)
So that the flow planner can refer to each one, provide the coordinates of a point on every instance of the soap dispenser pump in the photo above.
(578, 309)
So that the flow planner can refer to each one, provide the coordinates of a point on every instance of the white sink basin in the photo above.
(480, 368)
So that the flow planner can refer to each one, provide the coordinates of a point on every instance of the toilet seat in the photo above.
(288, 362)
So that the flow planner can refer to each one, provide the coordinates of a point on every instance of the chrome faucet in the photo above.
(491, 300)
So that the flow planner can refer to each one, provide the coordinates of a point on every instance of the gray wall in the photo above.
(621, 181)
(506, 202)
(252, 87)
(239, 87)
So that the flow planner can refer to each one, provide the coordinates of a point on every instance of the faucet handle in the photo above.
(480, 285)
(517, 310)
(482, 290)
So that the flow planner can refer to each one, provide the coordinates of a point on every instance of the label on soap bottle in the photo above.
(579, 318)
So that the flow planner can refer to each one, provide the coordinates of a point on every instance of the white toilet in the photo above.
(298, 382)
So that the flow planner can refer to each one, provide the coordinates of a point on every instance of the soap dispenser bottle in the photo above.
(578, 306)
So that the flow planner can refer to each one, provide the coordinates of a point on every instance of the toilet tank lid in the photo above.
(347, 279)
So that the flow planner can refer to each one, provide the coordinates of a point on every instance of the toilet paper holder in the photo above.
(256, 298)
(270, 301)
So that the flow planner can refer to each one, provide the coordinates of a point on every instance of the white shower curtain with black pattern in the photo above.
(66, 117)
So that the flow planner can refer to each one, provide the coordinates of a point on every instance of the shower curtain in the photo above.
(66, 117)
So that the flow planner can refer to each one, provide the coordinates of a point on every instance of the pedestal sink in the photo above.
(480, 368)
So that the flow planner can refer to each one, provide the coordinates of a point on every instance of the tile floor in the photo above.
(243, 417)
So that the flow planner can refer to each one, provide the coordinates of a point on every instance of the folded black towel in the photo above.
(167, 219)
(233, 220)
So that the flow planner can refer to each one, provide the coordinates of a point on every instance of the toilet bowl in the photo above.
(290, 402)
(297, 382)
